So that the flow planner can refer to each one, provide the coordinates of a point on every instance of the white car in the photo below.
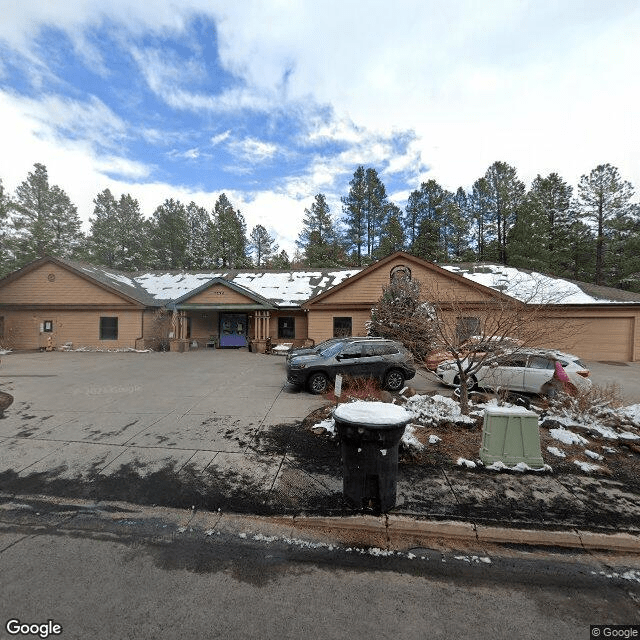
(526, 370)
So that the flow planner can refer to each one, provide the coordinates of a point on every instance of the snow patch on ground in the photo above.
(463, 462)
(593, 454)
(409, 439)
(474, 559)
(587, 467)
(328, 425)
(567, 437)
(433, 439)
(521, 467)
(632, 574)
(557, 452)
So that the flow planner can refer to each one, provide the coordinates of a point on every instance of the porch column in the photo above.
(181, 325)
(262, 325)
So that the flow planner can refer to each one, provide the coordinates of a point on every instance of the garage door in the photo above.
(603, 338)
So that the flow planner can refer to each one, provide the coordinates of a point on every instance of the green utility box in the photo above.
(510, 435)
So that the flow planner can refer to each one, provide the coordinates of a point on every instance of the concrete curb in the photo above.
(402, 533)
(390, 532)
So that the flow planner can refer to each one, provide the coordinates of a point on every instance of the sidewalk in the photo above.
(213, 444)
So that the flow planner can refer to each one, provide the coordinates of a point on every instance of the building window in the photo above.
(467, 327)
(287, 327)
(108, 328)
(400, 271)
(47, 326)
(341, 327)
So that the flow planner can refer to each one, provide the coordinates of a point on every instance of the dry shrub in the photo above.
(356, 388)
(593, 402)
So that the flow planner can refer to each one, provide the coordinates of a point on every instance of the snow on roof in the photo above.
(526, 286)
(289, 288)
(170, 286)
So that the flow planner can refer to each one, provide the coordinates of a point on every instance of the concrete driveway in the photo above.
(210, 429)
(77, 416)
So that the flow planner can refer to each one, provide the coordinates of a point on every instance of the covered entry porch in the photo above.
(228, 328)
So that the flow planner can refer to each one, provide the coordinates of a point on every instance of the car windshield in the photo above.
(331, 350)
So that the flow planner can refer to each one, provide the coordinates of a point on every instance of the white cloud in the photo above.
(253, 150)
(220, 138)
(545, 86)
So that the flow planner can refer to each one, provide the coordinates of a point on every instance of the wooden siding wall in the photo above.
(203, 328)
(219, 294)
(82, 328)
(368, 289)
(35, 287)
(321, 323)
(301, 329)
(601, 335)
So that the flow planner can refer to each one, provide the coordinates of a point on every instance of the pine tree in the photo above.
(354, 207)
(392, 236)
(229, 237)
(482, 223)
(132, 233)
(541, 231)
(169, 235)
(603, 198)
(280, 261)
(45, 220)
(459, 217)
(505, 194)
(318, 239)
(6, 255)
(199, 253)
(413, 217)
(375, 208)
(102, 241)
(262, 245)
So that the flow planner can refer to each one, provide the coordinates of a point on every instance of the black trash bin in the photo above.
(370, 433)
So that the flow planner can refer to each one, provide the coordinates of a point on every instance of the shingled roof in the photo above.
(290, 289)
(159, 288)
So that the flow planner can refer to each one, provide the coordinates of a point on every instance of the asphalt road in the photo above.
(132, 579)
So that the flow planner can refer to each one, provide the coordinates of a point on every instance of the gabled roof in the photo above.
(283, 289)
(537, 288)
(115, 283)
(293, 289)
(494, 293)
(259, 300)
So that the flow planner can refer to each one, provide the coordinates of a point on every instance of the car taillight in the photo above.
(584, 374)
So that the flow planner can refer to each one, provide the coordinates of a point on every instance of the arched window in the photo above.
(400, 271)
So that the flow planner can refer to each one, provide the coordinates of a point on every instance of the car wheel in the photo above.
(472, 383)
(318, 383)
(394, 380)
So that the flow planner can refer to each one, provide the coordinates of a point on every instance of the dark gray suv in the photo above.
(386, 360)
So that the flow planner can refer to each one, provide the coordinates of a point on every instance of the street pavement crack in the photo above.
(14, 543)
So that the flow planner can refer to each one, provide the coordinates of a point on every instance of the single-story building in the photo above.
(57, 302)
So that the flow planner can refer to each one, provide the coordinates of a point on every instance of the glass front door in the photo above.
(233, 330)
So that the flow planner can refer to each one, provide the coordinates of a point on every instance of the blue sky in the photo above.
(273, 102)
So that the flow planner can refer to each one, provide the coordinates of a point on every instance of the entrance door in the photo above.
(233, 330)
(47, 332)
